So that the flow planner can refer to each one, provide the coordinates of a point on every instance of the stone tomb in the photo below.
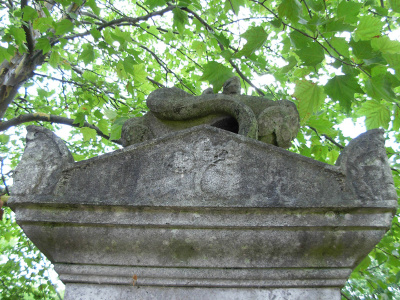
(203, 213)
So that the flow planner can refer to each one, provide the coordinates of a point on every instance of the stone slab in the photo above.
(103, 292)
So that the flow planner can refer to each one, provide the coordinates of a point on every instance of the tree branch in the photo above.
(52, 119)
(85, 13)
(160, 85)
(92, 87)
(26, 26)
(390, 254)
(239, 20)
(209, 28)
(128, 20)
(343, 295)
(169, 45)
(260, 92)
(165, 67)
(7, 4)
(327, 137)
(315, 39)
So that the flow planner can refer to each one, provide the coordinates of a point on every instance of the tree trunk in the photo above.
(14, 73)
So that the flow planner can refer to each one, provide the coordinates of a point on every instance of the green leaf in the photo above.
(396, 120)
(299, 40)
(362, 49)
(290, 9)
(29, 13)
(311, 55)
(103, 126)
(395, 5)
(302, 72)
(54, 59)
(43, 44)
(88, 133)
(378, 70)
(227, 54)
(381, 257)
(79, 118)
(310, 97)
(255, 37)
(385, 45)
(115, 133)
(140, 74)
(342, 88)
(63, 27)
(349, 10)
(340, 45)
(222, 39)
(179, 20)
(199, 47)
(379, 87)
(110, 114)
(334, 25)
(292, 62)
(92, 4)
(87, 55)
(276, 22)
(376, 114)
(321, 124)
(96, 34)
(98, 114)
(216, 74)
(18, 34)
(364, 264)
(107, 36)
(155, 3)
(316, 5)
(233, 5)
(4, 54)
(153, 30)
(43, 24)
(90, 76)
(4, 138)
(394, 62)
(120, 121)
(128, 64)
(121, 37)
(368, 28)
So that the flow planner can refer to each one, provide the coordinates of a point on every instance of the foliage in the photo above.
(24, 270)
(91, 64)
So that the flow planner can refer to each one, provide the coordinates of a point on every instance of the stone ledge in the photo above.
(106, 292)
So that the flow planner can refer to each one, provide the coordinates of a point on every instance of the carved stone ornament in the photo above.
(171, 109)
(203, 213)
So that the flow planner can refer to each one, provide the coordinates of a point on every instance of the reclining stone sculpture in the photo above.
(172, 109)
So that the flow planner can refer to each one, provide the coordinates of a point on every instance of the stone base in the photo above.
(204, 214)
(76, 291)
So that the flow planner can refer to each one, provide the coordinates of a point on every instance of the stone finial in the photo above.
(172, 109)
(365, 164)
(232, 86)
(208, 91)
(41, 164)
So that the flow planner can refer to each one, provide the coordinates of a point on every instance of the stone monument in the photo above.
(202, 204)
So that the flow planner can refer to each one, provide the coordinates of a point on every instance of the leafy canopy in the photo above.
(91, 64)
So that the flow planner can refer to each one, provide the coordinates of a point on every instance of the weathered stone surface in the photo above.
(44, 158)
(171, 109)
(212, 211)
(205, 166)
(367, 156)
(97, 292)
